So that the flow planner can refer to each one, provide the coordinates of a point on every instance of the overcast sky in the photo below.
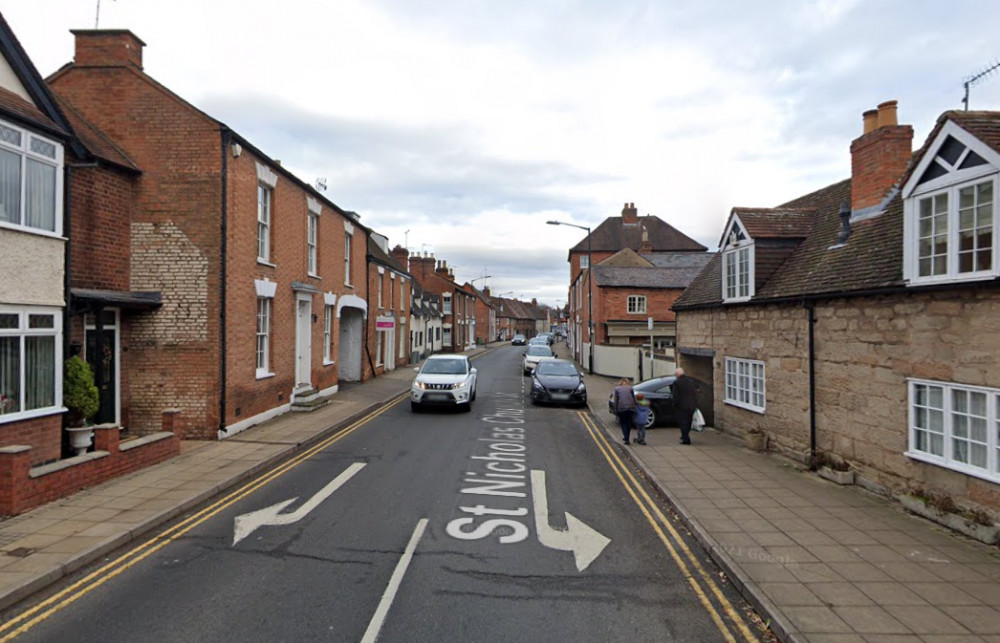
(459, 127)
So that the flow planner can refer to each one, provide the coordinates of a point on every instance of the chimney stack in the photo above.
(107, 48)
(630, 216)
(402, 257)
(879, 157)
(646, 245)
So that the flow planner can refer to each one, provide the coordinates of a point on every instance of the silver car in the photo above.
(535, 354)
(444, 380)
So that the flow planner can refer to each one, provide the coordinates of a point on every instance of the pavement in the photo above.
(819, 562)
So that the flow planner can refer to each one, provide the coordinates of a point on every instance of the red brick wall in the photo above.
(43, 435)
(19, 492)
(173, 352)
(612, 304)
(101, 210)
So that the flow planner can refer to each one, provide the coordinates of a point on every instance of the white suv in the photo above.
(535, 354)
(445, 380)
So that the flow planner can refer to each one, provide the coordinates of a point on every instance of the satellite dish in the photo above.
(321, 185)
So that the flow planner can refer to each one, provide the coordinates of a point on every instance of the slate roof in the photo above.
(613, 235)
(686, 267)
(28, 114)
(93, 139)
(776, 223)
(380, 256)
(871, 259)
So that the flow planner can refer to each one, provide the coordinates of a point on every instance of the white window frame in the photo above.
(22, 332)
(381, 278)
(950, 184)
(636, 305)
(378, 347)
(312, 238)
(584, 262)
(950, 417)
(265, 206)
(25, 151)
(392, 290)
(446, 303)
(328, 334)
(348, 235)
(745, 384)
(738, 286)
(265, 307)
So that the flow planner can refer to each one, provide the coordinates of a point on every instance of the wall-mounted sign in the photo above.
(385, 323)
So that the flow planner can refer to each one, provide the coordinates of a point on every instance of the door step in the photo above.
(309, 400)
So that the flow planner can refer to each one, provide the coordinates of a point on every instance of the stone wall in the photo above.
(866, 349)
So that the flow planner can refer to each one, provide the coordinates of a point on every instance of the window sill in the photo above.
(313, 275)
(330, 363)
(52, 234)
(748, 407)
(958, 467)
(912, 281)
(736, 300)
(262, 262)
(30, 415)
(263, 375)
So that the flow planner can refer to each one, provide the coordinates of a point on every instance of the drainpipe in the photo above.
(67, 295)
(223, 229)
(810, 307)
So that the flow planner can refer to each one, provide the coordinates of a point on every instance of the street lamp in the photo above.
(473, 281)
(590, 292)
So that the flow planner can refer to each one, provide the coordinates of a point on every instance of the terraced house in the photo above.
(860, 322)
(262, 279)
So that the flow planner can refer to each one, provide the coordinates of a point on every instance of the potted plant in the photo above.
(80, 397)
(756, 439)
(833, 469)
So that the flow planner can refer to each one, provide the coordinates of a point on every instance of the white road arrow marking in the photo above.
(246, 524)
(585, 542)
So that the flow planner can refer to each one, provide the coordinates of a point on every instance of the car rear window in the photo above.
(543, 351)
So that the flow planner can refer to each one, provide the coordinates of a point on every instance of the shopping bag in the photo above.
(698, 421)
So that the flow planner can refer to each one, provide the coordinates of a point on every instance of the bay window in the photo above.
(30, 362)
(30, 180)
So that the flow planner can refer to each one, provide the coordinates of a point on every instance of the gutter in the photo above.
(226, 138)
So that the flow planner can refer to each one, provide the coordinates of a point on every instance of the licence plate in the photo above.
(437, 397)
(562, 397)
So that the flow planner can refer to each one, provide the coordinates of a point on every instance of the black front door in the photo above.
(101, 357)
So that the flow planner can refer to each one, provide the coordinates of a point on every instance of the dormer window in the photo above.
(950, 222)
(737, 264)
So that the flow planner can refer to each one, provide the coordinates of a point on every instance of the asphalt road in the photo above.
(509, 523)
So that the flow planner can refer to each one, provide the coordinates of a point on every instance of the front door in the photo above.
(303, 344)
(103, 359)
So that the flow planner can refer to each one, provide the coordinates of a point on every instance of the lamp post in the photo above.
(590, 294)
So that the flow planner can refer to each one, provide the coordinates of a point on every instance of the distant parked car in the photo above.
(444, 380)
(518, 340)
(535, 354)
(548, 337)
(558, 381)
(538, 340)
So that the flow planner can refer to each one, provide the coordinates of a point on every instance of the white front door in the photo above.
(303, 344)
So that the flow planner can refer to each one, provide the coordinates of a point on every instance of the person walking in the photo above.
(624, 403)
(684, 390)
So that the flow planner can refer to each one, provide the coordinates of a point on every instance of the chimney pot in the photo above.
(887, 113)
(870, 120)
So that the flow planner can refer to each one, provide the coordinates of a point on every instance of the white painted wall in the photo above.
(32, 268)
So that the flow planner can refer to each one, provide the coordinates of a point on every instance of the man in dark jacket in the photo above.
(684, 390)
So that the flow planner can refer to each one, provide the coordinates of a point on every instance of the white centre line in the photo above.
(371, 635)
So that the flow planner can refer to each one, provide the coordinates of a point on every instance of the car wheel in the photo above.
(651, 419)
(467, 407)
(473, 397)
(415, 406)
(527, 373)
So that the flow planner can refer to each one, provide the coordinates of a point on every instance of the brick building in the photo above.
(390, 298)
(859, 322)
(458, 326)
(36, 144)
(262, 279)
(648, 236)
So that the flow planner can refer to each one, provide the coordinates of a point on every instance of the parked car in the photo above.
(518, 340)
(661, 402)
(558, 381)
(538, 340)
(548, 337)
(534, 354)
(444, 380)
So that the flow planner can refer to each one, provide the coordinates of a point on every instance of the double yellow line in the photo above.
(32, 617)
(694, 572)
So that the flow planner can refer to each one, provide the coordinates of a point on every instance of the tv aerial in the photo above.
(973, 80)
